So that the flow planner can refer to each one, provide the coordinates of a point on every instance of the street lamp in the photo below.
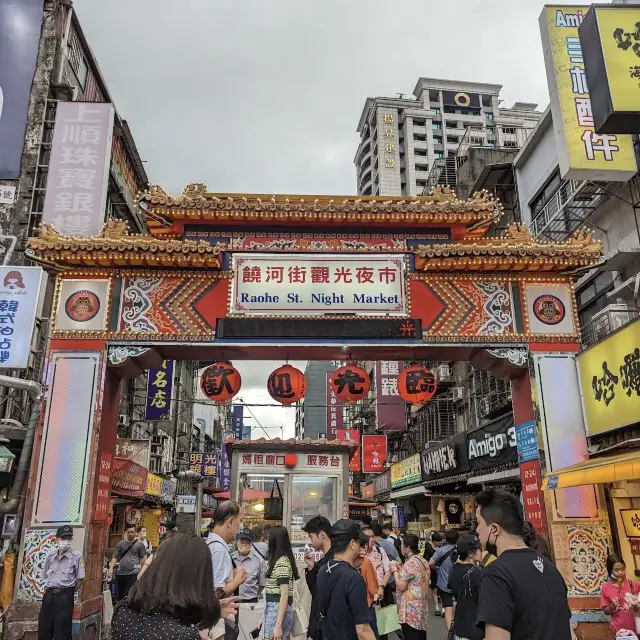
(197, 479)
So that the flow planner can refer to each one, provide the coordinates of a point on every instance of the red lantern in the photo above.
(220, 381)
(290, 460)
(350, 383)
(416, 384)
(287, 384)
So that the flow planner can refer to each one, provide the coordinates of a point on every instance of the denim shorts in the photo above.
(271, 617)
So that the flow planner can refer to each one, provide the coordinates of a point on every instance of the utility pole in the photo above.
(197, 481)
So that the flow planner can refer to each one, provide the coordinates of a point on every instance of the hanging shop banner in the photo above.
(169, 489)
(374, 454)
(406, 472)
(492, 445)
(20, 26)
(19, 295)
(313, 285)
(398, 519)
(355, 513)
(582, 154)
(137, 451)
(206, 464)
(103, 495)
(391, 409)
(367, 490)
(334, 409)
(128, 478)
(532, 497)
(237, 421)
(382, 483)
(351, 435)
(610, 43)
(224, 466)
(446, 458)
(159, 392)
(154, 485)
(78, 177)
(153, 520)
(609, 380)
(527, 441)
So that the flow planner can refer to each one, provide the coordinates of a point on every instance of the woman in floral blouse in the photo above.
(412, 587)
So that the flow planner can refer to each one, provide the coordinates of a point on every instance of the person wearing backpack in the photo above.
(130, 553)
(441, 560)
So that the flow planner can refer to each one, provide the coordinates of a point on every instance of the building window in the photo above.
(510, 144)
(419, 137)
(437, 139)
(545, 194)
(420, 152)
(489, 116)
(421, 183)
(437, 155)
(422, 167)
(436, 126)
(435, 110)
(419, 122)
(509, 130)
(453, 139)
(451, 125)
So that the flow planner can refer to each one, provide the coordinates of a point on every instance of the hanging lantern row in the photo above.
(221, 382)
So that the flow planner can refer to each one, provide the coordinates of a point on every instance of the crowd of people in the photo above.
(496, 582)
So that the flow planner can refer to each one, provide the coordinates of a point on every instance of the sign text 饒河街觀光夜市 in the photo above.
(319, 284)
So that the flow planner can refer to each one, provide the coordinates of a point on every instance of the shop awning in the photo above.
(625, 466)
(417, 490)
(497, 476)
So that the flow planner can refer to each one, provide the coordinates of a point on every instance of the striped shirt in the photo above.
(282, 574)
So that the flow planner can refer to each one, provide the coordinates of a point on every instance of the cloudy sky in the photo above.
(264, 96)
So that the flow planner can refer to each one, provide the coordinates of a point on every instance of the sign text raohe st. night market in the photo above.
(318, 284)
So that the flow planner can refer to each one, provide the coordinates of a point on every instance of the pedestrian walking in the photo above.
(175, 600)
(430, 548)
(464, 582)
(380, 561)
(387, 544)
(130, 555)
(167, 536)
(618, 594)
(317, 529)
(142, 536)
(249, 559)
(343, 612)
(442, 563)
(63, 573)
(368, 574)
(522, 594)
(282, 571)
(412, 586)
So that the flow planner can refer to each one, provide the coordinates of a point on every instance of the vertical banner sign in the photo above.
(374, 454)
(76, 194)
(103, 495)
(159, 392)
(390, 407)
(351, 435)
(334, 410)
(529, 459)
(20, 25)
(582, 154)
(237, 421)
(224, 473)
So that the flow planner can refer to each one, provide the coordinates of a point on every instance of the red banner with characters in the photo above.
(374, 454)
(128, 478)
(391, 409)
(334, 411)
(352, 435)
(534, 509)
(103, 495)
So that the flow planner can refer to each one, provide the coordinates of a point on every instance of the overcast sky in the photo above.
(264, 96)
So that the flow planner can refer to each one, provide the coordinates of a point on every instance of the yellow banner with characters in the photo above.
(610, 378)
(405, 472)
(154, 485)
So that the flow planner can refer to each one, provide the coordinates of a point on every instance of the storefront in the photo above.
(445, 469)
(411, 507)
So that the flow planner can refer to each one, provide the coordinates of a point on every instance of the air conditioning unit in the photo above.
(124, 420)
(458, 394)
(612, 317)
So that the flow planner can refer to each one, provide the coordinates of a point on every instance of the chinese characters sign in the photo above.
(19, 294)
(318, 284)
(159, 389)
(631, 521)
(128, 478)
(527, 442)
(610, 380)
(351, 435)
(374, 454)
(334, 410)
(76, 192)
(103, 494)
(532, 498)
(307, 461)
(582, 154)
(224, 466)
(135, 450)
(237, 421)
(154, 485)
(406, 472)
(390, 407)
(206, 464)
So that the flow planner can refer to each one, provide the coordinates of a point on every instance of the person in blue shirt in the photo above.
(441, 560)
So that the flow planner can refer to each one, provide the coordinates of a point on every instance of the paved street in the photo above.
(436, 629)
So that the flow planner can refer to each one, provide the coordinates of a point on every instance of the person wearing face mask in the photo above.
(249, 558)
(522, 594)
(63, 573)
(142, 536)
(130, 553)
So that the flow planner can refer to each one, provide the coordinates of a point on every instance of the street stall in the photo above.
(408, 494)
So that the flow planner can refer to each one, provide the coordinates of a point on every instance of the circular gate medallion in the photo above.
(82, 306)
(549, 309)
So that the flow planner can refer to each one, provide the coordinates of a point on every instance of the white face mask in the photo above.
(64, 545)
(143, 534)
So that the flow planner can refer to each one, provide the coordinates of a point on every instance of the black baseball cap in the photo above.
(245, 534)
(467, 543)
(65, 532)
(347, 530)
(171, 524)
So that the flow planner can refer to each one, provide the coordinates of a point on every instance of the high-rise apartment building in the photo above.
(311, 411)
(409, 145)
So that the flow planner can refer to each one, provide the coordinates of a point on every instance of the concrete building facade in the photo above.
(311, 412)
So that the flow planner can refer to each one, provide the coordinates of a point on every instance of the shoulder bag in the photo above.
(274, 505)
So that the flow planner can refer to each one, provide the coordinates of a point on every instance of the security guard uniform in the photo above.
(63, 570)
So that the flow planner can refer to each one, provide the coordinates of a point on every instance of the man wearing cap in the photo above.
(250, 559)
(63, 572)
(343, 609)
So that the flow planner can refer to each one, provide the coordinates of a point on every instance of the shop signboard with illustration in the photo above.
(446, 458)
(609, 375)
(406, 472)
(493, 445)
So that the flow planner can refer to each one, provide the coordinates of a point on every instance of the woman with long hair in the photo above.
(175, 599)
(281, 573)
(614, 592)
(533, 541)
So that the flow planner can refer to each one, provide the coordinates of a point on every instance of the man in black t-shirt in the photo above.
(342, 603)
(522, 595)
